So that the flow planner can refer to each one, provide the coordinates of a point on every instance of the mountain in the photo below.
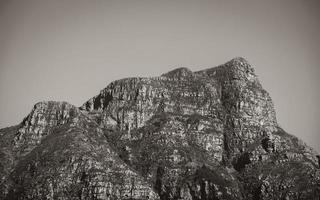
(210, 134)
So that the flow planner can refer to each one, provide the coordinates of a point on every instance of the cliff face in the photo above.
(210, 134)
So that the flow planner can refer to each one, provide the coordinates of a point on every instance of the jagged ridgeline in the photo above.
(210, 134)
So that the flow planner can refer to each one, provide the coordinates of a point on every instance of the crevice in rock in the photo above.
(240, 163)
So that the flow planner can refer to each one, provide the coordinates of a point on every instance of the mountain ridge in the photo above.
(209, 134)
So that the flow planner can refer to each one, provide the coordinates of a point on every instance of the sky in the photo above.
(70, 50)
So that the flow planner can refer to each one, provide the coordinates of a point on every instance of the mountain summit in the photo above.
(209, 135)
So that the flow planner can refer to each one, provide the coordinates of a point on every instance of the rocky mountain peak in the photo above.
(43, 117)
(240, 68)
(210, 134)
(181, 72)
(236, 69)
(48, 114)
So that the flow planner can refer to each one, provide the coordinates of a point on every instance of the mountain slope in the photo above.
(66, 156)
(210, 134)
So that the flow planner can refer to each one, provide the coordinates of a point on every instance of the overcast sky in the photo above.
(70, 50)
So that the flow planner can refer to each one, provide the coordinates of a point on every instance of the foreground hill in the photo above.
(210, 134)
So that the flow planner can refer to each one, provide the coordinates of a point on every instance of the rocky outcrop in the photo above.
(61, 153)
(249, 112)
(44, 117)
(210, 134)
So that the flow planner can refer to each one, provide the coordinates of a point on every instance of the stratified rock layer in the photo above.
(210, 134)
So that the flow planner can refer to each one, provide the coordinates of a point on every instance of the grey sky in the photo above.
(70, 50)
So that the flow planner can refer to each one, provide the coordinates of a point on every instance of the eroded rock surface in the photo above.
(210, 134)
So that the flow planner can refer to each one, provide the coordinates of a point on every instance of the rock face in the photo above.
(210, 134)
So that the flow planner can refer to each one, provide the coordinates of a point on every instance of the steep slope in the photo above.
(210, 134)
(60, 153)
(168, 127)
